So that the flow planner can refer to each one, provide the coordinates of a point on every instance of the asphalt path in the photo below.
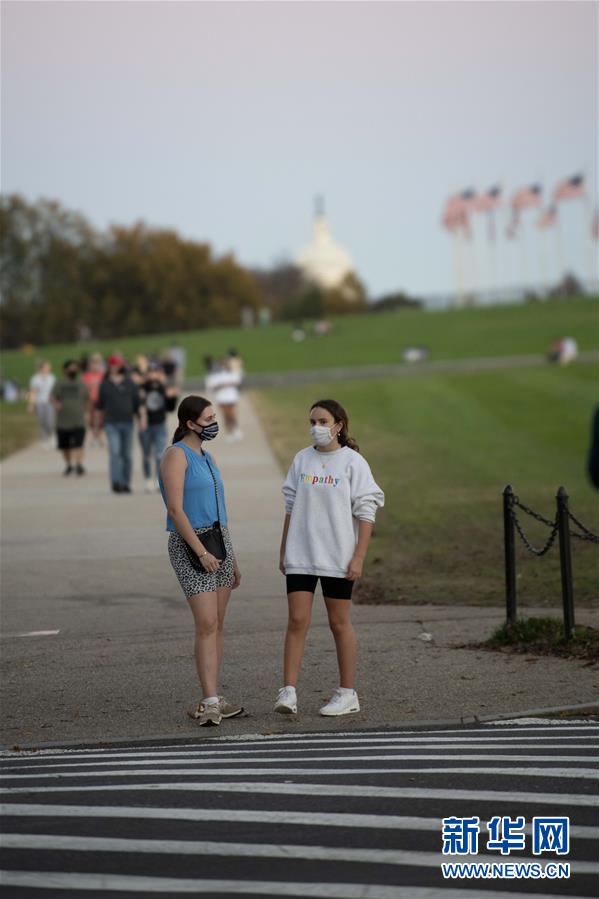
(398, 370)
(352, 814)
(96, 637)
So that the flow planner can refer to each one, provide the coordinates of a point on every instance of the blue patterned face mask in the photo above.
(209, 432)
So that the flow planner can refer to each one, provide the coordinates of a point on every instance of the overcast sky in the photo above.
(224, 120)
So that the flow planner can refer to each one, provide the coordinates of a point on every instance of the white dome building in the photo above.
(323, 261)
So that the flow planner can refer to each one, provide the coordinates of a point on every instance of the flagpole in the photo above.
(458, 263)
(523, 255)
(543, 261)
(560, 249)
(588, 240)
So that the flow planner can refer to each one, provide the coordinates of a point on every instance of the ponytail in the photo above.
(189, 409)
(340, 416)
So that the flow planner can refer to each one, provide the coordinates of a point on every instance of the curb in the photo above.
(591, 708)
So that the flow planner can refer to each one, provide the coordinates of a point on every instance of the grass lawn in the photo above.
(443, 447)
(17, 427)
(369, 339)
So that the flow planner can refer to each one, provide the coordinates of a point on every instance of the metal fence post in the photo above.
(510, 556)
(565, 559)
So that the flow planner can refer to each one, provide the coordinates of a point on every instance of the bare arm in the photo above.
(172, 469)
(284, 542)
(356, 565)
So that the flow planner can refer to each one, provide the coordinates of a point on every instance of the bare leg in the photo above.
(228, 412)
(67, 456)
(204, 607)
(339, 612)
(223, 595)
(300, 614)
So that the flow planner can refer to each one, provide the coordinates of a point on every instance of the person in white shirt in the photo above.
(331, 500)
(38, 401)
(224, 383)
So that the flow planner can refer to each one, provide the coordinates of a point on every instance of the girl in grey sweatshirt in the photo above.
(331, 500)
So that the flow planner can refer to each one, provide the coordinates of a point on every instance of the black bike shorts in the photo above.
(332, 587)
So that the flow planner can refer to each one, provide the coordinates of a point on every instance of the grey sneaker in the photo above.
(207, 714)
(286, 703)
(229, 709)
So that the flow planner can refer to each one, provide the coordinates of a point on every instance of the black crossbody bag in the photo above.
(212, 540)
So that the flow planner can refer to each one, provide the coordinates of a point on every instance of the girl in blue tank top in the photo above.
(194, 496)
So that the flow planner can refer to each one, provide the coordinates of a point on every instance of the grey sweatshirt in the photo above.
(326, 495)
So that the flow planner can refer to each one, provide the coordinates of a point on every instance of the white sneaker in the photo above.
(341, 704)
(149, 486)
(286, 703)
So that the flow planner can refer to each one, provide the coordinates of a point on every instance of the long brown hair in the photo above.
(189, 409)
(340, 416)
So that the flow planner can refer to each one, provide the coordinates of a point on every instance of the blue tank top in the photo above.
(199, 500)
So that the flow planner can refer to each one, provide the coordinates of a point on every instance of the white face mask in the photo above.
(321, 435)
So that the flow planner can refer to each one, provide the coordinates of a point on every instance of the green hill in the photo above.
(368, 339)
(443, 447)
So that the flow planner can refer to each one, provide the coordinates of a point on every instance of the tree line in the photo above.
(62, 280)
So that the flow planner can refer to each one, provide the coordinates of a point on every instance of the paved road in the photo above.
(397, 369)
(89, 570)
(340, 816)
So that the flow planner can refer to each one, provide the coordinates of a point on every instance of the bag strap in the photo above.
(215, 486)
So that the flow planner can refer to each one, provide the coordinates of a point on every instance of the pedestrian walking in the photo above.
(154, 395)
(38, 401)
(200, 547)
(120, 403)
(92, 377)
(225, 383)
(331, 500)
(71, 400)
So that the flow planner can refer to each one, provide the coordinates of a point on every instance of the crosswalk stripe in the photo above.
(578, 773)
(221, 757)
(343, 790)
(298, 746)
(208, 815)
(225, 849)
(173, 885)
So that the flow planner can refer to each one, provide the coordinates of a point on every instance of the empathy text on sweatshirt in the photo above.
(326, 495)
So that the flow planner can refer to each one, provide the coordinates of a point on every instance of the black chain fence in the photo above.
(554, 525)
(560, 526)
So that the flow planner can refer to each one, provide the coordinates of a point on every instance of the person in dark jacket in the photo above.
(593, 460)
(120, 403)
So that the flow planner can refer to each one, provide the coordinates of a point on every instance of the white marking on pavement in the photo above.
(267, 760)
(33, 634)
(524, 721)
(209, 815)
(53, 880)
(343, 790)
(576, 773)
(463, 735)
(195, 752)
(352, 854)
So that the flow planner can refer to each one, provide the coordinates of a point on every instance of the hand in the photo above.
(237, 576)
(282, 564)
(210, 563)
(355, 569)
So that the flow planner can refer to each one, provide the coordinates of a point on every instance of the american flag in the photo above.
(488, 201)
(527, 196)
(548, 218)
(570, 189)
(512, 227)
(455, 214)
